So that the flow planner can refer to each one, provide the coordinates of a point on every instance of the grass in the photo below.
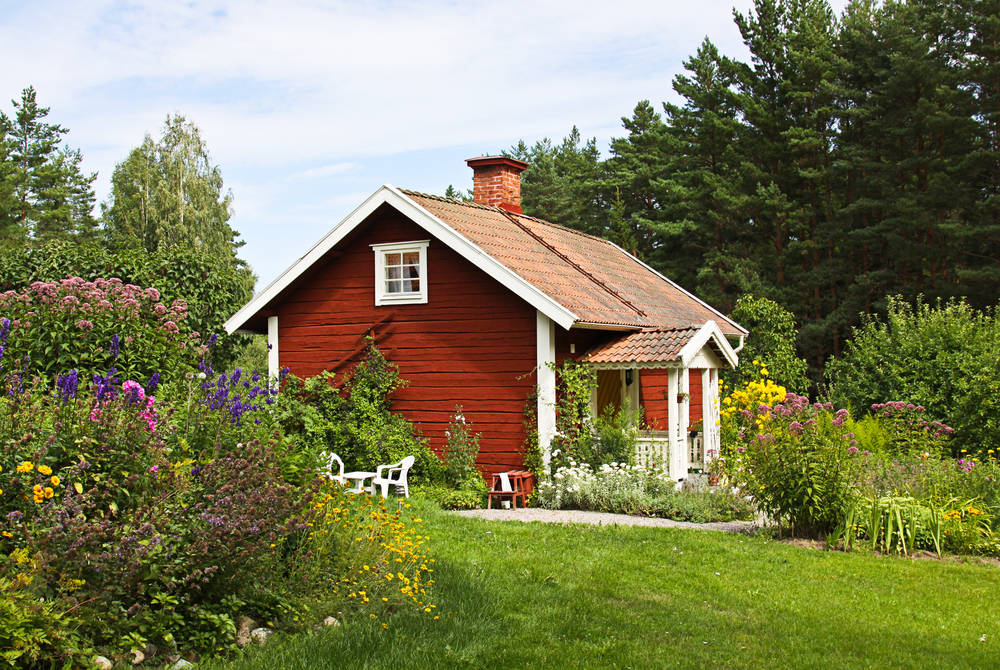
(518, 595)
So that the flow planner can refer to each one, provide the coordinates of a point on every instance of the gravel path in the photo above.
(601, 519)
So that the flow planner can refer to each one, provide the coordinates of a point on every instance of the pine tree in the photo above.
(50, 194)
(563, 182)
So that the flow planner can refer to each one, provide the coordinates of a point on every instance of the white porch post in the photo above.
(545, 349)
(673, 421)
(708, 427)
(716, 443)
(273, 365)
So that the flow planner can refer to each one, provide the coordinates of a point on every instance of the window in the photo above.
(400, 272)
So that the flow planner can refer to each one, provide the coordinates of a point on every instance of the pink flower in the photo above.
(84, 325)
(171, 327)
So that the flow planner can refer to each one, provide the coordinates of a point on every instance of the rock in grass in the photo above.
(180, 664)
(103, 663)
(260, 635)
(244, 625)
(138, 657)
(331, 621)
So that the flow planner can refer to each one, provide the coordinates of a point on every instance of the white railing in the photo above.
(652, 449)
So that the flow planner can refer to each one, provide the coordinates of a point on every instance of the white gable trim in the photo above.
(449, 236)
(709, 332)
(680, 288)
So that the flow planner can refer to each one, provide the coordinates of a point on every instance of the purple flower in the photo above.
(114, 346)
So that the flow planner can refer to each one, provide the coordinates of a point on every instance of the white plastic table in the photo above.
(358, 477)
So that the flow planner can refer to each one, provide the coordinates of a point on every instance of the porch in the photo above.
(673, 377)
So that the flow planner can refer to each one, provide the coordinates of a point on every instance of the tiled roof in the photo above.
(645, 346)
(587, 275)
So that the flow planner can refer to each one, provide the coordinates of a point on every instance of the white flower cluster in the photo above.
(581, 486)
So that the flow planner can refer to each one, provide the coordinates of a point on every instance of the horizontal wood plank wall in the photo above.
(653, 395)
(472, 344)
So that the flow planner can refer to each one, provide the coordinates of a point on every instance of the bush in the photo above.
(93, 327)
(460, 453)
(770, 343)
(355, 420)
(633, 489)
(942, 357)
(470, 497)
(213, 287)
(796, 460)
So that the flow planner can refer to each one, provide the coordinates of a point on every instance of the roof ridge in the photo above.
(441, 198)
(614, 293)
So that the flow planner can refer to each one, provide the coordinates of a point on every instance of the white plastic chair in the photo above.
(327, 470)
(393, 474)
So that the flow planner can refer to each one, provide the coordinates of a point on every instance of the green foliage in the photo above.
(43, 190)
(211, 286)
(616, 432)
(472, 496)
(940, 356)
(632, 489)
(95, 326)
(168, 193)
(771, 342)
(460, 453)
(37, 632)
(355, 420)
(574, 438)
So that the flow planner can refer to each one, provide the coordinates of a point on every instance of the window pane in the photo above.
(411, 285)
(411, 258)
(392, 259)
(393, 273)
(411, 271)
(394, 286)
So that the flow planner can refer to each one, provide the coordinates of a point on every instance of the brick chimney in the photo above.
(496, 181)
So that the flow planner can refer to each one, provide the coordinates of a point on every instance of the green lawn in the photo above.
(518, 595)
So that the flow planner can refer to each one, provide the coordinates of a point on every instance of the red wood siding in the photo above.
(653, 385)
(472, 344)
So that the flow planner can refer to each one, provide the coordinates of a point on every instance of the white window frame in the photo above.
(382, 297)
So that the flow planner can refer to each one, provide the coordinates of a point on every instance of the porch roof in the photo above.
(651, 345)
(662, 347)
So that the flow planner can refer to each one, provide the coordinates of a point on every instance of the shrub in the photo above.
(470, 497)
(355, 419)
(460, 453)
(797, 461)
(141, 530)
(616, 434)
(939, 356)
(771, 343)
(93, 327)
(213, 287)
(634, 489)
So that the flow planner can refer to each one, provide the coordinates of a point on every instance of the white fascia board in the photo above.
(449, 236)
(710, 331)
(679, 287)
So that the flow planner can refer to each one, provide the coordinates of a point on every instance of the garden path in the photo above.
(602, 519)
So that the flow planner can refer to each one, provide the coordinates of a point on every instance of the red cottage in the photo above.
(475, 301)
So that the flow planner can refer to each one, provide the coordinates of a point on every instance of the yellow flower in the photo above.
(54, 479)
(7, 533)
(25, 467)
(44, 470)
(49, 492)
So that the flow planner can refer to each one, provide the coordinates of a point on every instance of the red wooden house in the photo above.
(474, 301)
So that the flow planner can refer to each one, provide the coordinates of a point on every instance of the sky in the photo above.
(308, 107)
